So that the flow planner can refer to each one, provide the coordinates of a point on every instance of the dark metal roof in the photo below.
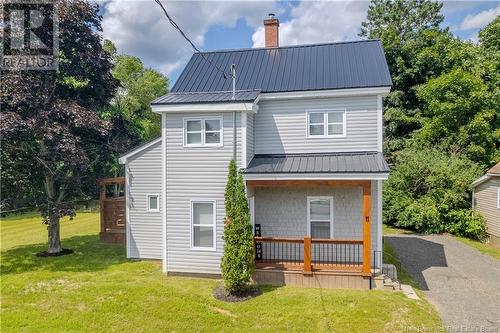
(359, 162)
(357, 64)
(208, 97)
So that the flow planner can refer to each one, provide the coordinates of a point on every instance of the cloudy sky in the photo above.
(139, 27)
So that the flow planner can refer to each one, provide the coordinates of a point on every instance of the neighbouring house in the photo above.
(305, 127)
(486, 201)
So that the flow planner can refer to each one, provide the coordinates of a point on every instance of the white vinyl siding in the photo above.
(486, 197)
(281, 125)
(144, 225)
(192, 174)
(250, 137)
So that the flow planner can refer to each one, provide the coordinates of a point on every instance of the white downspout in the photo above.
(233, 97)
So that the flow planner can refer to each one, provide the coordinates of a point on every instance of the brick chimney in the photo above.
(271, 28)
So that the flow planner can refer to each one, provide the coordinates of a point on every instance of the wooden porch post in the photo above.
(307, 256)
(366, 228)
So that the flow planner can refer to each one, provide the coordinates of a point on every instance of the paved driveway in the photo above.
(463, 283)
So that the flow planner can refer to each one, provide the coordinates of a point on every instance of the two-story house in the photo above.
(304, 126)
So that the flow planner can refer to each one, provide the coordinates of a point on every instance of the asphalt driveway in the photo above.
(463, 283)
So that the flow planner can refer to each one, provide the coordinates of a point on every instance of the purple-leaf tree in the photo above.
(49, 123)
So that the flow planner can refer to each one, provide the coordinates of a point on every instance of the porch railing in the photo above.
(309, 254)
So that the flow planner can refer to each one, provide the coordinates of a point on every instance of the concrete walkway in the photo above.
(463, 283)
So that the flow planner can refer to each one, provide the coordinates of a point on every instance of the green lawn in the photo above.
(97, 290)
(482, 247)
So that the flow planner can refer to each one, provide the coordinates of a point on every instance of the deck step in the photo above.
(383, 282)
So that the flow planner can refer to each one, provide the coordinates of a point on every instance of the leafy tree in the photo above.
(489, 36)
(401, 18)
(487, 65)
(49, 118)
(20, 185)
(461, 116)
(407, 30)
(429, 191)
(139, 86)
(442, 115)
(238, 260)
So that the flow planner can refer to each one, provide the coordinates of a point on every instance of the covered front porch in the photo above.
(315, 230)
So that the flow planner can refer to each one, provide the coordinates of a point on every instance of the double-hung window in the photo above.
(320, 217)
(326, 123)
(203, 219)
(199, 132)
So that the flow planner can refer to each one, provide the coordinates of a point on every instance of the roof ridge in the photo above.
(290, 46)
(211, 92)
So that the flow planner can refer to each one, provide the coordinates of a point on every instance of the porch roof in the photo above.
(319, 163)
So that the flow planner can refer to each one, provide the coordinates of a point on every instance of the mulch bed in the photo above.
(64, 252)
(221, 294)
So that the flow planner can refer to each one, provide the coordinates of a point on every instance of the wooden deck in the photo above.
(307, 262)
(113, 214)
(298, 267)
(333, 279)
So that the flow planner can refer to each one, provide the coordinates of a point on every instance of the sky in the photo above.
(139, 27)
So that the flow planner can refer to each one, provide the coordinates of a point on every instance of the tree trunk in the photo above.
(54, 237)
(53, 233)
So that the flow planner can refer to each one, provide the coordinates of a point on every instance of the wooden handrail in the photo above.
(111, 181)
(313, 240)
(279, 239)
(308, 261)
(336, 241)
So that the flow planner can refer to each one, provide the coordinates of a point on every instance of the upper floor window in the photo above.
(326, 124)
(199, 132)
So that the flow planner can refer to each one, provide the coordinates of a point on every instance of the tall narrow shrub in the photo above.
(238, 260)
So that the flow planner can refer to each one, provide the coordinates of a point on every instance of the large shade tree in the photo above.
(49, 124)
(139, 86)
(405, 28)
(441, 117)
(130, 111)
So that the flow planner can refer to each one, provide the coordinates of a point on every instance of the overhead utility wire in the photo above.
(176, 26)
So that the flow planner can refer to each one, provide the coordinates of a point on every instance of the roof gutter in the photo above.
(206, 107)
(484, 178)
(123, 159)
(384, 91)
(317, 176)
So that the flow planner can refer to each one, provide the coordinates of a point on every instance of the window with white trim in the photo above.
(200, 132)
(203, 219)
(153, 203)
(320, 216)
(326, 123)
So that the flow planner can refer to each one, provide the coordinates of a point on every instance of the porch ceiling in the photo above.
(323, 163)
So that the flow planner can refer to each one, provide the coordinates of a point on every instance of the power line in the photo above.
(176, 26)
